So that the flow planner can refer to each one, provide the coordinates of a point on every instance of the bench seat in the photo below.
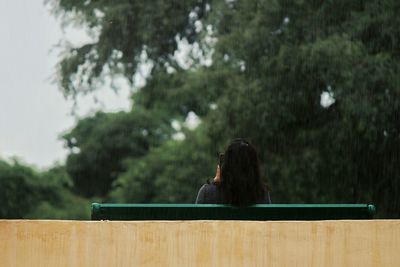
(262, 212)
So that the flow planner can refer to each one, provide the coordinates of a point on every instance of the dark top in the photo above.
(209, 194)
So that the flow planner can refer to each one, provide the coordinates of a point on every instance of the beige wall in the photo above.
(199, 243)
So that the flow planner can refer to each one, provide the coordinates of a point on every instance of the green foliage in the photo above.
(170, 173)
(64, 204)
(27, 194)
(20, 190)
(180, 92)
(123, 29)
(99, 145)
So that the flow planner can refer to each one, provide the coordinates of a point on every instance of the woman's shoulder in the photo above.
(208, 194)
(209, 187)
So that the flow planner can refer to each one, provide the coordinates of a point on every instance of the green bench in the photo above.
(264, 212)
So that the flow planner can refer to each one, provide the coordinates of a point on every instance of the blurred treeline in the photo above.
(314, 85)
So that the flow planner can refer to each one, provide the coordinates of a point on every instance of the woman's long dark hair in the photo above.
(241, 183)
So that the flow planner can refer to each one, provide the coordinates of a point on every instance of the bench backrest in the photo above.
(265, 212)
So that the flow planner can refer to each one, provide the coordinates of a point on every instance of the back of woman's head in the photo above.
(241, 182)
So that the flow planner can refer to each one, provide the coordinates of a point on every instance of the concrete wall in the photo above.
(199, 243)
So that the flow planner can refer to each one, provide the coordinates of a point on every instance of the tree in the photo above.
(28, 194)
(123, 29)
(59, 202)
(20, 190)
(170, 173)
(100, 144)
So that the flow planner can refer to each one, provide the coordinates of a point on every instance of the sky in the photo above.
(33, 111)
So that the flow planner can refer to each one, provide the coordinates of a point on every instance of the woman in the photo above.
(238, 180)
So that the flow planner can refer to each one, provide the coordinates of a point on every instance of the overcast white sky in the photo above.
(33, 112)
